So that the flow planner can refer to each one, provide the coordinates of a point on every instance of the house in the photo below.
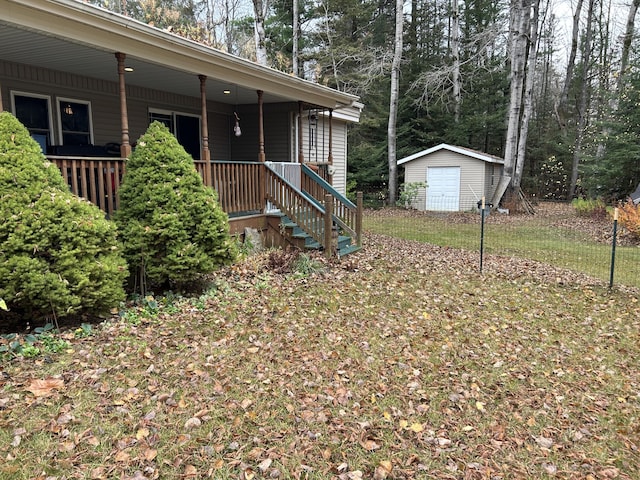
(456, 178)
(87, 82)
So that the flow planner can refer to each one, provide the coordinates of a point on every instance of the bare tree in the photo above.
(583, 103)
(455, 55)
(393, 103)
(626, 43)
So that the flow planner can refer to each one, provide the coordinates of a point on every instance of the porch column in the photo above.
(330, 159)
(205, 153)
(300, 137)
(125, 146)
(261, 154)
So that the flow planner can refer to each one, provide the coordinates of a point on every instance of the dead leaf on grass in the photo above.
(45, 387)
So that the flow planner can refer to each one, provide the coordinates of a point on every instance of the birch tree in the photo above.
(393, 103)
(522, 30)
(260, 9)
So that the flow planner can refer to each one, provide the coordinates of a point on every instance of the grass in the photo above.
(536, 239)
(400, 362)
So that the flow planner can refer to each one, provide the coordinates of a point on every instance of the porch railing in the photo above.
(96, 179)
(243, 188)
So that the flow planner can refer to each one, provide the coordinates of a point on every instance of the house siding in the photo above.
(320, 153)
(105, 104)
(472, 176)
(280, 130)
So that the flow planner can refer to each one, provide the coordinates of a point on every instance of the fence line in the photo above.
(555, 235)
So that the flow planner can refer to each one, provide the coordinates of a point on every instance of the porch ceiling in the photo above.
(81, 39)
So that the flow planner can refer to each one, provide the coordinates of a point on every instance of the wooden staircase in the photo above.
(313, 214)
(341, 244)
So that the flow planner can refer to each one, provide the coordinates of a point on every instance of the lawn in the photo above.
(398, 362)
(555, 235)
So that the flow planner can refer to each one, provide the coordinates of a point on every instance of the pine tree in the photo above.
(173, 229)
(58, 254)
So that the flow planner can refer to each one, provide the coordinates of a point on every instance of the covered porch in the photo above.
(87, 82)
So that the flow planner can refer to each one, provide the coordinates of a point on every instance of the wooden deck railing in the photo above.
(94, 178)
(346, 214)
(240, 186)
(305, 213)
(243, 188)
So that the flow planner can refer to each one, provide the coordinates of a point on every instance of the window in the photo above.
(185, 127)
(75, 122)
(34, 112)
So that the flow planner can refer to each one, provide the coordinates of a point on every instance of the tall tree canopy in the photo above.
(511, 78)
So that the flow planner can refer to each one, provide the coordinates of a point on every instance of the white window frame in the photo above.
(59, 113)
(19, 93)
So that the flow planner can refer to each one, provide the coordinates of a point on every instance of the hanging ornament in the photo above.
(236, 127)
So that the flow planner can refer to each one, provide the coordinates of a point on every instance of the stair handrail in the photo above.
(301, 209)
(345, 213)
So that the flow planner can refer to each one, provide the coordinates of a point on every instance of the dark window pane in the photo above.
(188, 134)
(32, 112)
(75, 122)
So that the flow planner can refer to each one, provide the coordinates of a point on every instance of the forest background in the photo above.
(552, 87)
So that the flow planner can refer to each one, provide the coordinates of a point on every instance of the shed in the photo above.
(457, 178)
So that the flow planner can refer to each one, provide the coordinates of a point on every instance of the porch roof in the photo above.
(75, 37)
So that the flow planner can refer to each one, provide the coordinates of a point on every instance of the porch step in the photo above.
(304, 240)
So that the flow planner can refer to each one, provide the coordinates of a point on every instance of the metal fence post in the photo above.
(613, 246)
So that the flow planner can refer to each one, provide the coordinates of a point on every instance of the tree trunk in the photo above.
(519, 32)
(455, 54)
(393, 104)
(294, 53)
(568, 78)
(260, 10)
(527, 107)
(583, 105)
(626, 44)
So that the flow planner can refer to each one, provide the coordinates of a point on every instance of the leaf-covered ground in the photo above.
(398, 362)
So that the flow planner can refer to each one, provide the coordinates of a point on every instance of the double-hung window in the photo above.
(75, 122)
(34, 112)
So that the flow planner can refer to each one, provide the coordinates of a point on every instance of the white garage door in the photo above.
(443, 188)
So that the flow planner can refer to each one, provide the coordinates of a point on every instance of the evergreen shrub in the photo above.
(173, 229)
(58, 253)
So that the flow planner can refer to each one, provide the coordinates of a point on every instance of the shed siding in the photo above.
(472, 176)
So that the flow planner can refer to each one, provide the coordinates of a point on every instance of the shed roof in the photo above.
(461, 150)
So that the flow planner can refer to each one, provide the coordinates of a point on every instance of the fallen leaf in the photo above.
(193, 422)
(265, 464)
(416, 427)
(544, 442)
(370, 445)
(45, 387)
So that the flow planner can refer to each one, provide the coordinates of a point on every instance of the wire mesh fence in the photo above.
(555, 235)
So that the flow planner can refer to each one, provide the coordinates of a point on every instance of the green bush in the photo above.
(173, 229)
(589, 207)
(58, 254)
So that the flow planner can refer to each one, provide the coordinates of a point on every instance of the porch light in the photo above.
(227, 92)
(128, 69)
